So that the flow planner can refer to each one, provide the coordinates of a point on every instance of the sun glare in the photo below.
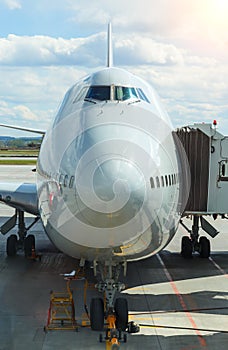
(222, 3)
(214, 14)
(219, 9)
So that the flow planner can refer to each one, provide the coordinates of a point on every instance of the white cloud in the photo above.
(17, 115)
(199, 25)
(144, 50)
(30, 96)
(12, 4)
(25, 113)
(169, 43)
(43, 50)
(91, 51)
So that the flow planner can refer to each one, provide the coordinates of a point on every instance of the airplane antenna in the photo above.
(110, 52)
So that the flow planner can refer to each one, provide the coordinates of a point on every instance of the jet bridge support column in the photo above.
(195, 243)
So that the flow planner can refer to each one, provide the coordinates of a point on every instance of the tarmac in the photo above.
(179, 304)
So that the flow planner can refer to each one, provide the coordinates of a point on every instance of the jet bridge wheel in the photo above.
(204, 247)
(97, 314)
(11, 245)
(186, 247)
(29, 245)
(121, 310)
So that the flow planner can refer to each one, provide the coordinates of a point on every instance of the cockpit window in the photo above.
(101, 93)
(113, 92)
(81, 94)
(142, 96)
(123, 93)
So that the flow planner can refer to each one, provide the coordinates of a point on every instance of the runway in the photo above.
(180, 304)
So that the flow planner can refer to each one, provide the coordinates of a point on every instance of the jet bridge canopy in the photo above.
(207, 153)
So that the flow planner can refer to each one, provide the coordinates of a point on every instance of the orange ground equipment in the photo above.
(113, 336)
(61, 313)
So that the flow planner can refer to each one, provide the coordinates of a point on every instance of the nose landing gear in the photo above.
(114, 313)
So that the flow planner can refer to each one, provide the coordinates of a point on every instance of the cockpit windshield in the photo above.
(114, 93)
(101, 93)
(122, 93)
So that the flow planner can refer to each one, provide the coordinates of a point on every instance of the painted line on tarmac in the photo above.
(182, 302)
(223, 272)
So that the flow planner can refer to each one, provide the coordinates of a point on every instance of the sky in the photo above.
(179, 46)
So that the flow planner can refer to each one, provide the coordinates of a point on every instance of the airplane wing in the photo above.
(35, 131)
(21, 196)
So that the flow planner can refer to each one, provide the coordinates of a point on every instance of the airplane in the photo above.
(112, 181)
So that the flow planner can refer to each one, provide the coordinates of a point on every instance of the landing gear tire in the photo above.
(29, 245)
(97, 314)
(115, 347)
(11, 246)
(204, 246)
(125, 338)
(186, 247)
(121, 310)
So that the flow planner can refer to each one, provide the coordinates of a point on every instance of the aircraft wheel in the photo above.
(186, 247)
(125, 338)
(205, 248)
(29, 244)
(121, 310)
(115, 347)
(97, 314)
(11, 246)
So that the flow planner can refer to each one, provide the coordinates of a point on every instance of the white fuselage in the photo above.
(108, 171)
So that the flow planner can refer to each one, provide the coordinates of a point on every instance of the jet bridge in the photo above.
(207, 153)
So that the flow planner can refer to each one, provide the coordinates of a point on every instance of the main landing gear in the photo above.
(111, 312)
(22, 240)
(194, 243)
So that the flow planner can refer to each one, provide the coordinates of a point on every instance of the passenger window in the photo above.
(166, 180)
(157, 181)
(152, 182)
(101, 93)
(61, 179)
(162, 181)
(71, 184)
(65, 181)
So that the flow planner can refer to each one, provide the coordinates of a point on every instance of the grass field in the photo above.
(19, 153)
(18, 161)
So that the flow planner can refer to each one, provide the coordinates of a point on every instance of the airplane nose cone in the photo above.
(110, 192)
(115, 180)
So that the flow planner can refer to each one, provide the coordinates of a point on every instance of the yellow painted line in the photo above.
(141, 318)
